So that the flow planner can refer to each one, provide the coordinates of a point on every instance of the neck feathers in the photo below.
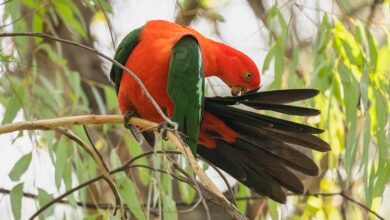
(216, 56)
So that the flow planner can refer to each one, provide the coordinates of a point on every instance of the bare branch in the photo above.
(109, 206)
(208, 186)
(107, 177)
(344, 196)
(373, 8)
(92, 50)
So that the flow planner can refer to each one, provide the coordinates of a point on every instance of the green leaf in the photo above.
(43, 199)
(216, 16)
(323, 35)
(11, 109)
(67, 10)
(13, 10)
(243, 192)
(268, 58)
(61, 155)
(13, 104)
(134, 150)
(67, 176)
(366, 140)
(373, 50)
(20, 167)
(75, 82)
(279, 66)
(128, 192)
(101, 216)
(187, 193)
(38, 26)
(111, 98)
(351, 97)
(169, 207)
(382, 121)
(273, 209)
(53, 55)
(99, 100)
(16, 196)
(382, 180)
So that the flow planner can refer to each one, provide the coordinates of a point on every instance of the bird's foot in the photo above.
(127, 116)
(164, 127)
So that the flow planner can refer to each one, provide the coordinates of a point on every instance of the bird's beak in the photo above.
(236, 90)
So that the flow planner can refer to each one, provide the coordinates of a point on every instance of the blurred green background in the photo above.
(340, 47)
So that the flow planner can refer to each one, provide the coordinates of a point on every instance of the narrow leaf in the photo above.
(169, 208)
(128, 192)
(43, 199)
(20, 167)
(16, 196)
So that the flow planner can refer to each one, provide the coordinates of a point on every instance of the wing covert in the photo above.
(186, 88)
(122, 54)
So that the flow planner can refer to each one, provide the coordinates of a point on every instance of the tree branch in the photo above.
(51, 124)
(92, 50)
(99, 159)
(373, 8)
(174, 137)
(109, 206)
(344, 196)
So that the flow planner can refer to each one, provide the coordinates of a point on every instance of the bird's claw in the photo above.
(126, 118)
(164, 127)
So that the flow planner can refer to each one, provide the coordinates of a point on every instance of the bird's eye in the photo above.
(248, 75)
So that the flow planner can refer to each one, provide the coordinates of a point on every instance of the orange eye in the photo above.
(248, 75)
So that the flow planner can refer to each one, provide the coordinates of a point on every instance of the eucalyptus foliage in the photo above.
(345, 61)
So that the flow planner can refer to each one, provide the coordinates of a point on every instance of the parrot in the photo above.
(262, 152)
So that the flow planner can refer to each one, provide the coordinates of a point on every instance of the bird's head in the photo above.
(238, 71)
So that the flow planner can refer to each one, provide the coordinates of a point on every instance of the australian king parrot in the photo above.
(258, 150)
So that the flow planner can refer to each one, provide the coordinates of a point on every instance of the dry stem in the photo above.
(53, 124)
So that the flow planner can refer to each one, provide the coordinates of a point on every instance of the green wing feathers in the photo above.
(122, 54)
(186, 88)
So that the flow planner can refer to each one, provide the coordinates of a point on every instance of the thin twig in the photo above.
(210, 188)
(73, 43)
(109, 206)
(109, 180)
(232, 197)
(108, 24)
(5, 2)
(173, 136)
(193, 206)
(346, 197)
(67, 193)
(26, 14)
(89, 182)
(100, 163)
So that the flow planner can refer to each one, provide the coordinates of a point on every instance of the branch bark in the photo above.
(94, 51)
(51, 124)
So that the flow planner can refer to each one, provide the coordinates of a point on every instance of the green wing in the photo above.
(186, 88)
(122, 54)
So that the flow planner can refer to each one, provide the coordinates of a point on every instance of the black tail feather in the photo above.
(261, 160)
(273, 100)
(263, 154)
(288, 156)
(291, 138)
(258, 120)
(265, 150)
(285, 109)
(270, 97)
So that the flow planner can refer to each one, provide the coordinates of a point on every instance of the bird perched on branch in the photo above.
(258, 150)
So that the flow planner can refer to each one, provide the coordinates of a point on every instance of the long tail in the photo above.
(266, 151)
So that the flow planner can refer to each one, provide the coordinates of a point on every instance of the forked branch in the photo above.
(207, 186)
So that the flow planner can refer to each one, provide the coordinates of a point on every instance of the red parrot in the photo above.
(258, 150)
